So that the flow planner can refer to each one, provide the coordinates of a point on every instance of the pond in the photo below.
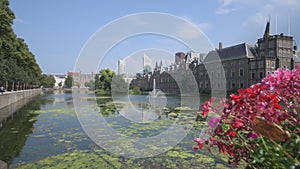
(47, 133)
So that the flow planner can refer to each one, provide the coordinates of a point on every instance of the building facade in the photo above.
(229, 68)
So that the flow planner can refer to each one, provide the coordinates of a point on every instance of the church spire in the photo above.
(267, 31)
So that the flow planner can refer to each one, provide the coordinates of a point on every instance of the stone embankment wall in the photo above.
(15, 100)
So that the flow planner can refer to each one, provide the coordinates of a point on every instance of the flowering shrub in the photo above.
(260, 125)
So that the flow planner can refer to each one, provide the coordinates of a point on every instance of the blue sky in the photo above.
(57, 30)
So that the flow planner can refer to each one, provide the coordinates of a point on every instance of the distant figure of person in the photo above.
(2, 89)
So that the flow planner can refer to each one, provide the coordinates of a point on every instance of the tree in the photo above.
(118, 84)
(47, 81)
(90, 84)
(105, 79)
(69, 81)
(59, 84)
(97, 82)
(136, 90)
(18, 64)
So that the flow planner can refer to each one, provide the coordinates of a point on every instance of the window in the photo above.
(232, 84)
(271, 53)
(280, 52)
(241, 62)
(206, 84)
(241, 72)
(232, 72)
(252, 65)
(261, 75)
(261, 64)
(253, 76)
(272, 64)
(242, 84)
(262, 45)
(232, 63)
(271, 44)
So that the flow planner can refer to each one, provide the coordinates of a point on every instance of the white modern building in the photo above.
(121, 67)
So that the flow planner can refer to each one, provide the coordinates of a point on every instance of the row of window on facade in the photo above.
(281, 44)
(281, 52)
(219, 85)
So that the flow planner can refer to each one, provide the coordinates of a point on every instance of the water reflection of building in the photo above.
(230, 68)
(80, 79)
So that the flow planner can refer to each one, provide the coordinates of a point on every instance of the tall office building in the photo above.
(121, 67)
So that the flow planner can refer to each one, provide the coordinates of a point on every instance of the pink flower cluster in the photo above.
(276, 99)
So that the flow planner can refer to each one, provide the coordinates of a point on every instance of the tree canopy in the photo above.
(17, 63)
(104, 79)
(69, 81)
(47, 81)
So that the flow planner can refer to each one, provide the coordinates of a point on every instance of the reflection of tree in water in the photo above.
(106, 106)
(16, 128)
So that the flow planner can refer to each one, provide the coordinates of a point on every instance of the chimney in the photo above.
(220, 45)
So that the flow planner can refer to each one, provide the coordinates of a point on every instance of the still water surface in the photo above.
(46, 133)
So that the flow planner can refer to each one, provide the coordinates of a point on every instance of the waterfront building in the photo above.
(229, 68)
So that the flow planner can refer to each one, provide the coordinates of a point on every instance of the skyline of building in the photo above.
(229, 68)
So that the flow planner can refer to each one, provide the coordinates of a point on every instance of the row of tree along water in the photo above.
(18, 66)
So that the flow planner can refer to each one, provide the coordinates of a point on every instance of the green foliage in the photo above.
(77, 159)
(104, 79)
(69, 81)
(276, 154)
(90, 85)
(47, 81)
(136, 90)
(18, 64)
(119, 85)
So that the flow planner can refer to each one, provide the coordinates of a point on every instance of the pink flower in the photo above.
(195, 148)
(237, 123)
(206, 107)
(213, 122)
(199, 140)
(252, 135)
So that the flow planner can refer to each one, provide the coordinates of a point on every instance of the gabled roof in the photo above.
(243, 50)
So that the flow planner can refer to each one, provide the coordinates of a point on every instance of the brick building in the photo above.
(229, 68)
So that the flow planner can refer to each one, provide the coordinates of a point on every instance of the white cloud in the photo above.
(225, 2)
(273, 8)
(225, 7)
(222, 11)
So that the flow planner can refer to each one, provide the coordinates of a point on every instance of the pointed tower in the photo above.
(267, 30)
(274, 51)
